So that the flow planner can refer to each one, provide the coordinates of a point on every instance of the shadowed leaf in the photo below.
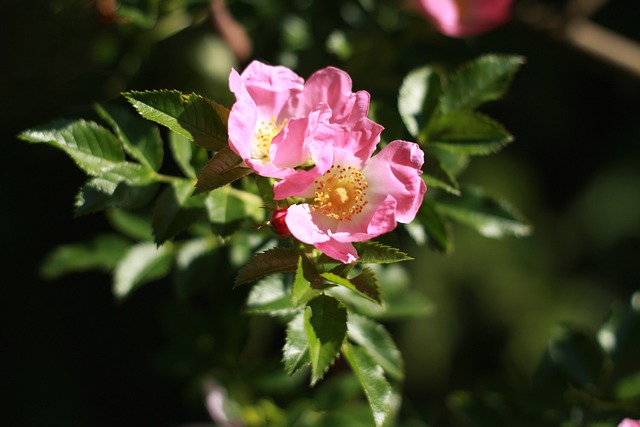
(277, 260)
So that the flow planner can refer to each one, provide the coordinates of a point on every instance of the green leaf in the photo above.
(364, 284)
(196, 118)
(383, 399)
(223, 168)
(135, 224)
(435, 175)
(89, 144)
(295, 352)
(488, 215)
(270, 296)
(307, 283)
(467, 132)
(628, 387)
(94, 149)
(377, 253)
(438, 231)
(400, 301)
(618, 336)
(194, 261)
(140, 139)
(325, 324)
(143, 263)
(175, 210)
(484, 79)
(577, 356)
(99, 194)
(228, 204)
(103, 252)
(377, 342)
(189, 157)
(277, 260)
(418, 98)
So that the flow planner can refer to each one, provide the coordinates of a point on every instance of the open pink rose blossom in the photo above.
(461, 18)
(628, 422)
(279, 121)
(359, 197)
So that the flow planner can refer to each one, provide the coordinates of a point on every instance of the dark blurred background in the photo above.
(71, 355)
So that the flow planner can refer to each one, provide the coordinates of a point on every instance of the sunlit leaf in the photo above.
(467, 132)
(364, 284)
(307, 283)
(140, 138)
(400, 301)
(103, 252)
(89, 144)
(270, 296)
(489, 215)
(325, 324)
(484, 79)
(99, 194)
(192, 116)
(227, 204)
(143, 263)
(418, 98)
(383, 399)
(377, 253)
(189, 157)
(295, 352)
(376, 341)
(135, 224)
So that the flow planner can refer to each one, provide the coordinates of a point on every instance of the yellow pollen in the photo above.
(262, 139)
(340, 193)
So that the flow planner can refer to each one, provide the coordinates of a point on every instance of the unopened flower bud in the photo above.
(278, 223)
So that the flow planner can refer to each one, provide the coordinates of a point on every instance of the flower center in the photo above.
(340, 193)
(262, 139)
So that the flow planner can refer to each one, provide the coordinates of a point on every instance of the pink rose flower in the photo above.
(461, 18)
(628, 422)
(359, 197)
(279, 121)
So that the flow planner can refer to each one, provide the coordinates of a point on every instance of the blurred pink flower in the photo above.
(628, 422)
(278, 122)
(359, 197)
(461, 18)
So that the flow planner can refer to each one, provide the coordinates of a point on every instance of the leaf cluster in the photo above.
(439, 110)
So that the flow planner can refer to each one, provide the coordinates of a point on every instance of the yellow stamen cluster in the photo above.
(340, 193)
(262, 139)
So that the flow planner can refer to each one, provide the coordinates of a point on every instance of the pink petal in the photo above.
(628, 422)
(395, 171)
(298, 184)
(330, 86)
(295, 144)
(304, 226)
(359, 141)
(343, 252)
(271, 78)
(378, 218)
(461, 18)
(242, 118)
